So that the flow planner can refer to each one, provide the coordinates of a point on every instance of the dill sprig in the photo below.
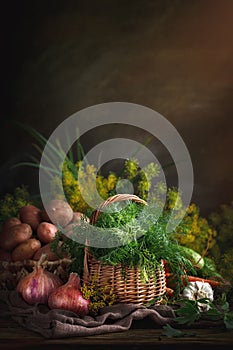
(142, 240)
(145, 240)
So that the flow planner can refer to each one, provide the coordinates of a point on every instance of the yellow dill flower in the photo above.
(151, 170)
(192, 208)
(11, 203)
(99, 296)
(173, 199)
(102, 186)
(90, 169)
(131, 168)
(68, 179)
(79, 164)
(111, 181)
(143, 188)
(197, 233)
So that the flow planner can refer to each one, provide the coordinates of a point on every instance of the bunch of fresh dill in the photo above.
(130, 235)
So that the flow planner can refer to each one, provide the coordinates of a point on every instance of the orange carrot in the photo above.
(213, 283)
(187, 278)
(169, 292)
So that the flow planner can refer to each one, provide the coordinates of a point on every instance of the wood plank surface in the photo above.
(13, 336)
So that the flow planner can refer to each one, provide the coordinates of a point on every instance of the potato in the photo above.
(25, 250)
(46, 249)
(17, 234)
(70, 229)
(46, 232)
(78, 217)
(10, 222)
(31, 215)
(59, 212)
(44, 216)
(4, 256)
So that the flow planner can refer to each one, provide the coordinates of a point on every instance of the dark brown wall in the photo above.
(173, 56)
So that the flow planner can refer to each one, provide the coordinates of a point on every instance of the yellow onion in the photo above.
(37, 285)
(69, 297)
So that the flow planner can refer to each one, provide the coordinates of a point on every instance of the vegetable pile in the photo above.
(50, 235)
(20, 238)
(30, 237)
(29, 232)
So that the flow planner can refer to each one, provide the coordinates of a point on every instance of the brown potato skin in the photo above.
(59, 212)
(44, 216)
(78, 217)
(17, 234)
(46, 232)
(25, 250)
(76, 221)
(46, 249)
(31, 215)
(10, 223)
(69, 230)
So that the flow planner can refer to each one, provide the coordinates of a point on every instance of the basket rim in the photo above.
(113, 199)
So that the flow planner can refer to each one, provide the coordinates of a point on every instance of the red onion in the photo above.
(37, 285)
(69, 297)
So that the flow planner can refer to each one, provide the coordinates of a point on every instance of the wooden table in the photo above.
(13, 336)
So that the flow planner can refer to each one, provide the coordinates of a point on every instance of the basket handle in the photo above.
(86, 272)
(116, 198)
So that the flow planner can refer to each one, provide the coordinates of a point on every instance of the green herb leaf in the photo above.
(171, 332)
(224, 303)
(228, 320)
(213, 314)
(188, 313)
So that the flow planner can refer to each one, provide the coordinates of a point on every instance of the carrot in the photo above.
(187, 278)
(168, 274)
(213, 283)
(169, 292)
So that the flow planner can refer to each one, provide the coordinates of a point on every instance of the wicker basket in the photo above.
(127, 286)
(12, 272)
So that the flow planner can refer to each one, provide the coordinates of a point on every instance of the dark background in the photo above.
(172, 56)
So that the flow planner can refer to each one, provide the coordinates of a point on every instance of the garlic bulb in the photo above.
(199, 290)
(37, 285)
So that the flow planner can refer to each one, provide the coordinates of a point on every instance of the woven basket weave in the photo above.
(126, 281)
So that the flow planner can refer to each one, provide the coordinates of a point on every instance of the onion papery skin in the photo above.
(38, 285)
(69, 297)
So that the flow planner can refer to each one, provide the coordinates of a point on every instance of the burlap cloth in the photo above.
(61, 323)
